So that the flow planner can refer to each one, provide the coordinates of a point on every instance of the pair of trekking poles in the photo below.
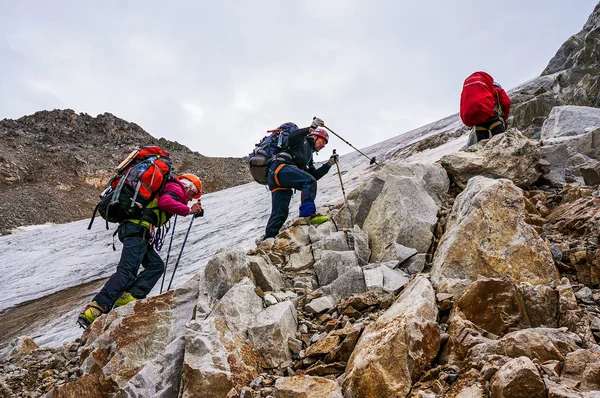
(180, 250)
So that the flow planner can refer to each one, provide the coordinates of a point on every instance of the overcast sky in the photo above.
(214, 75)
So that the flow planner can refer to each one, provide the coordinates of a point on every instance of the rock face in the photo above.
(52, 157)
(570, 141)
(404, 210)
(380, 364)
(138, 349)
(509, 155)
(571, 78)
(487, 235)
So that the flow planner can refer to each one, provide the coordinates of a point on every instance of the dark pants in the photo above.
(136, 250)
(289, 177)
(491, 127)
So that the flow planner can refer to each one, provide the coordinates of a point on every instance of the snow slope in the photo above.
(38, 261)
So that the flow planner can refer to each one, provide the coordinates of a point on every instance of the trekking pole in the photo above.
(372, 160)
(183, 245)
(343, 190)
(168, 254)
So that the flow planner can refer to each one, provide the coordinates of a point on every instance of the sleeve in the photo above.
(504, 102)
(296, 136)
(320, 172)
(171, 203)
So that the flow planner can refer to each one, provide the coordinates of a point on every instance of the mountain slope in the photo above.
(54, 163)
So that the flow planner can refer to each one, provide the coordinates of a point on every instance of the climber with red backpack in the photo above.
(292, 168)
(485, 105)
(141, 216)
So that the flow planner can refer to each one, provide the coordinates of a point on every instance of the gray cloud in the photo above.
(215, 75)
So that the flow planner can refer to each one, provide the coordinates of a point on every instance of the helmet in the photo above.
(197, 184)
(320, 133)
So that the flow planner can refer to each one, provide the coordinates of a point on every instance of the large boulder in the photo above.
(405, 209)
(494, 305)
(137, 350)
(570, 140)
(486, 235)
(397, 348)
(270, 331)
(510, 155)
(225, 269)
(519, 377)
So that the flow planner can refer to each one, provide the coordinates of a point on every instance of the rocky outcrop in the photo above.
(487, 235)
(569, 140)
(394, 351)
(509, 155)
(570, 78)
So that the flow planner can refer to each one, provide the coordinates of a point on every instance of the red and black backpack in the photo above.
(141, 176)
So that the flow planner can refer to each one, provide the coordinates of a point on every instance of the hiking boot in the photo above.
(124, 299)
(89, 314)
(318, 219)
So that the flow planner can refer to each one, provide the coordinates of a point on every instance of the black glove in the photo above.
(333, 159)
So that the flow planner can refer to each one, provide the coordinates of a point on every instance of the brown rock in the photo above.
(494, 305)
(323, 346)
(518, 378)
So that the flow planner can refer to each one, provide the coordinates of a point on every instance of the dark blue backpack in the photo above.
(267, 149)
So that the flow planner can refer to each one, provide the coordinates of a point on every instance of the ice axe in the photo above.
(372, 160)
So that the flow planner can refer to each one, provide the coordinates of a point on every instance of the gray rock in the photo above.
(266, 275)
(361, 245)
(320, 304)
(270, 331)
(332, 264)
(239, 306)
(225, 269)
(414, 264)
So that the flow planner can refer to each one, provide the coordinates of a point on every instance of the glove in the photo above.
(316, 123)
(333, 159)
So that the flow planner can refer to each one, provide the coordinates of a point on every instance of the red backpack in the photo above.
(139, 178)
(478, 99)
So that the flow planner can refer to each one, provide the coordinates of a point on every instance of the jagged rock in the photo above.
(409, 326)
(414, 264)
(405, 211)
(323, 346)
(299, 234)
(494, 305)
(474, 391)
(270, 331)
(487, 235)
(320, 304)
(374, 279)
(581, 369)
(541, 304)
(570, 137)
(556, 390)
(528, 342)
(321, 231)
(306, 387)
(217, 361)
(266, 276)
(137, 350)
(518, 378)
(462, 336)
(18, 347)
(510, 155)
(404, 252)
(225, 269)
(301, 260)
(352, 281)
(335, 241)
(361, 245)
(332, 264)
(239, 306)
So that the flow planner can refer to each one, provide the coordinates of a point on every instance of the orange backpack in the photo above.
(139, 178)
